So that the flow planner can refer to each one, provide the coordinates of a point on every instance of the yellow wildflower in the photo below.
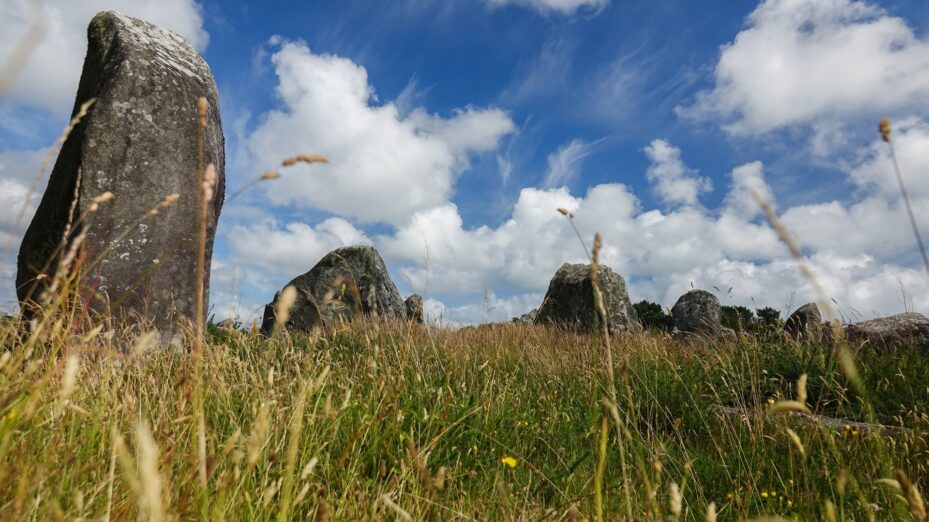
(509, 462)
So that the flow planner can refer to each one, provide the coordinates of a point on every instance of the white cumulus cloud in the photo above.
(674, 182)
(803, 62)
(50, 77)
(292, 248)
(747, 181)
(383, 166)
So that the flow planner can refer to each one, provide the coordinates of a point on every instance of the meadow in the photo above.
(395, 421)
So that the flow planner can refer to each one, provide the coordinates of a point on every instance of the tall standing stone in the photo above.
(140, 142)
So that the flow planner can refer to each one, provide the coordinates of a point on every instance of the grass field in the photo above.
(503, 422)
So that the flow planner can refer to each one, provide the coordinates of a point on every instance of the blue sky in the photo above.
(457, 127)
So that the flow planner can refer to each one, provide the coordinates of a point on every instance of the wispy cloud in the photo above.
(561, 7)
(543, 77)
(564, 165)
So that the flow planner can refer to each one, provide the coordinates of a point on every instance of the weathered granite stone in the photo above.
(569, 301)
(228, 325)
(140, 142)
(908, 329)
(697, 311)
(805, 324)
(414, 308)
(347, 283)
(528, 317)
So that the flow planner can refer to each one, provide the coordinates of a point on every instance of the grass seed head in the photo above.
(69, 377)
(284, 304)
(103, 198)
(884, 128)
(304, 158)
(202, 106)
(209, 183)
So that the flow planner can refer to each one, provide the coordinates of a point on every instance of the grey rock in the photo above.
(697, 311)
(414, 308)
(346, 284)
(140, 142)
(829, 331)
(569, 301)
(806, 324)
(229, 325)
(901, 330)
(527, 318)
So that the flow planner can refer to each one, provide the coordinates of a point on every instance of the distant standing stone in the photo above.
(805, 324)
(569, 301)
(697, 311)
(138, 141)
(346, 283)
(528, 317)
(414, 308)
(908, 329)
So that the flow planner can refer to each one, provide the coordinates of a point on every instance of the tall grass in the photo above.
(373, 420)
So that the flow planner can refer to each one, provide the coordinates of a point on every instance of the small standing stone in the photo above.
(805, 324)
(699, 311)
(901, 330)
(528, 317)
(414, 308)
(346, 284)
(569, 301)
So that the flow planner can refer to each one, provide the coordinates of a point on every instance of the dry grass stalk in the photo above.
(913, 497)
(304, 158)
(165, 203)
(845, 358)
(148, 472)
(293, 450)
(399, 511)
(207, 177)
(259, 436)
(24, 48)
(46, 161)
(570, 215)
(284, 304)
(821, 299)
(795, 439)
(884, 128)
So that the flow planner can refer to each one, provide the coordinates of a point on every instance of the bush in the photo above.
(739, 318)
(652, 316)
